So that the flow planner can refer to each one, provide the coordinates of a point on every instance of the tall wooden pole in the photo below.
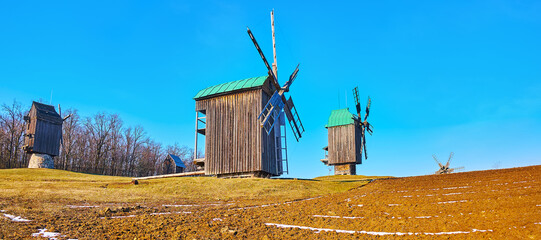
(274, 64)
(196, 128)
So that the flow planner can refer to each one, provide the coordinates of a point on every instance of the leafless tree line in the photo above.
(100, 144)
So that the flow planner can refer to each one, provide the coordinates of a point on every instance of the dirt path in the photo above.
(497, 204)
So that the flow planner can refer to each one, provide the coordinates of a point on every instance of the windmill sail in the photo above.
(294, 119)
(271, 112)
(271, 73)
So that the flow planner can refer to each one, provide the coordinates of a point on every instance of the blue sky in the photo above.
(461, 76)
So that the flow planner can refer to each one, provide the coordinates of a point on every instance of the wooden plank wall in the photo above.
(45, 135)
(344, 144)
(47, 138)
(31, 128)
(234, 139)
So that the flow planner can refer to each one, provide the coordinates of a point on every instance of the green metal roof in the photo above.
(231, 86)
(340, 117)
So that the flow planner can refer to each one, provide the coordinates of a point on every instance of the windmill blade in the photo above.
(369, 128)
(293, 118)
(291, 79)
(449, 160)
(271, 72)
(364, 147)
(357, 103)
(66, 117)
(271, 111)
(438, 162)
(367, 108)
(457, 168)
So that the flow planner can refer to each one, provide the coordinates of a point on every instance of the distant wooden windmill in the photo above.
(244, 124)
(347, 138)
(444, 169)
(43, 134)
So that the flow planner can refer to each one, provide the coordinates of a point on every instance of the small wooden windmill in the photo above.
(444, 169)
(43, 134)
(243, 123)
(347, 138)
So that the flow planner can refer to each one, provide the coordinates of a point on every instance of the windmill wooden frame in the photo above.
(243, 123)
(346, 138)
(43, 133)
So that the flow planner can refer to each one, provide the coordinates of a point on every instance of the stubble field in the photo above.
(495, 204)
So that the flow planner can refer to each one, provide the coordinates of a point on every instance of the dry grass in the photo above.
(57, 186)
(348, 178)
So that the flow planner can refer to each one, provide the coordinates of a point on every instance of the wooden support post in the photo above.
(196, 128)
(275, 63)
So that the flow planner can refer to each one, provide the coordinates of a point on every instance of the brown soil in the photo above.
(495, 204)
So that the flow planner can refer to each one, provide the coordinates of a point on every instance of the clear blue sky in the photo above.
(462, 76)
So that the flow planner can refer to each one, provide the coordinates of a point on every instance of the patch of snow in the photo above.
(393, 204)
(447, 194)
(345, 217)
(446, 233)
(402, 191)
(407, 196)
(317, 230)
(181, 205)
(424, 217)
(537, 223)
(128, 216)
(82, 206)
(538, 205)
(452, 201)
(16, 218)
(196, 205)
(477, 230)
(450, 188)
(429, 195)
(165, 213)
(217, 219)
(274, 204)
(2, 210)
(360, 205)
(43, 233)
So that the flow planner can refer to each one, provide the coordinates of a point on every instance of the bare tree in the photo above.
(12, 128)
(99, 144)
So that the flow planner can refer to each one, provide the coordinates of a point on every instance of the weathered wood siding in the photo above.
(234, 141)
(44, 135)
(344, 144)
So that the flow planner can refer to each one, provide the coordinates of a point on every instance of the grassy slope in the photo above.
(57, 186)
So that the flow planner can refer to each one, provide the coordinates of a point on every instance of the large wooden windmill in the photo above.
(347, 138)
(243, 124)
(43, 135)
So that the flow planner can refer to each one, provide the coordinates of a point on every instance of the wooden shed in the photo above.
(344, 149)
(173, 164)
(235, 143)
(43, 130)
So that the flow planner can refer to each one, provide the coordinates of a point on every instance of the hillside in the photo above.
(496, 204)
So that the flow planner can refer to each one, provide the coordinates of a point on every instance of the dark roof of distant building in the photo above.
(177, 161)
(47, 113)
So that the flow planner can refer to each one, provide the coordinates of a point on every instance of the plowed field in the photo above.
(495, 204)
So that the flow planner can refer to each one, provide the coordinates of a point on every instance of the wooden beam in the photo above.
(186, 174)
